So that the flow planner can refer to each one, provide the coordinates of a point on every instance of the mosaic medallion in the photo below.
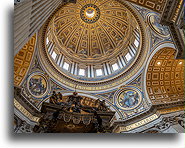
(37, 85)
(154, 22)
(128, 98)
(90, 13)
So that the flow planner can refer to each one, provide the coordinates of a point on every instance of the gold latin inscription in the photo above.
(138, 124)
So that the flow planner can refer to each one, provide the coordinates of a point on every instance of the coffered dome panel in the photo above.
(93, 31)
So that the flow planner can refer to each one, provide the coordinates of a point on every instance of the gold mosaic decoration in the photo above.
(165, 77)
(137, 124)
(22, 60)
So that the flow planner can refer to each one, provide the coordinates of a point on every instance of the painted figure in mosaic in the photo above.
(37, 86)
(130, 99)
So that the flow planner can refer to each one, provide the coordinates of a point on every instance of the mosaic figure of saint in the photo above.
(37, 86)
(129, 99)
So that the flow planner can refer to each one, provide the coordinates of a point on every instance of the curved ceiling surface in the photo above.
(94, 41)
(92, 31)
(165, 77)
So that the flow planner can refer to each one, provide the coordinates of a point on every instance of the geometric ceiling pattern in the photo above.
(96, 47)
(97, 36)
(22, 60)
(155, 5)
(165, 77)
(93, 42)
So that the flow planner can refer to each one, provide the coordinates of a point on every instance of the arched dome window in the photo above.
(115, 67)
(99, 72)
(66, 66)
(81, 72)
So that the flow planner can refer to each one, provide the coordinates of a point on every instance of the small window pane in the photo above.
(47, 41)
(99, 72)
(136, 43)
(54, 55)
(66, 66)
(128, 57)
(115, 67)
(82, 72)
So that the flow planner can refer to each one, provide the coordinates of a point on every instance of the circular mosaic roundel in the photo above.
(128, 99)
(90, 13)
(37, 85)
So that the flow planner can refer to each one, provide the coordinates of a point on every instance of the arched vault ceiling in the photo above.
(165, 77)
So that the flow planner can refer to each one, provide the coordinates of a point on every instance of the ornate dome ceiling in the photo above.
(92, 32)
(93, 41)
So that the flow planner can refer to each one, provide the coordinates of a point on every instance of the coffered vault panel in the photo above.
(22, 60)
(165, 77)
(155, 5)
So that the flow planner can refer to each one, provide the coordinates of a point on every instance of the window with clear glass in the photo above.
(99, 72)
(47, 41)
(54, 55)
(66, 66)
(82, 72)
(115, 67)
(128, 57)
(136, 43)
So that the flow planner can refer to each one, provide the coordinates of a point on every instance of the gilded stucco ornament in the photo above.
(92, 33)
(90, 13)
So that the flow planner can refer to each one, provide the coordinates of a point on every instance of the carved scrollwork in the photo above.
(167, 122)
